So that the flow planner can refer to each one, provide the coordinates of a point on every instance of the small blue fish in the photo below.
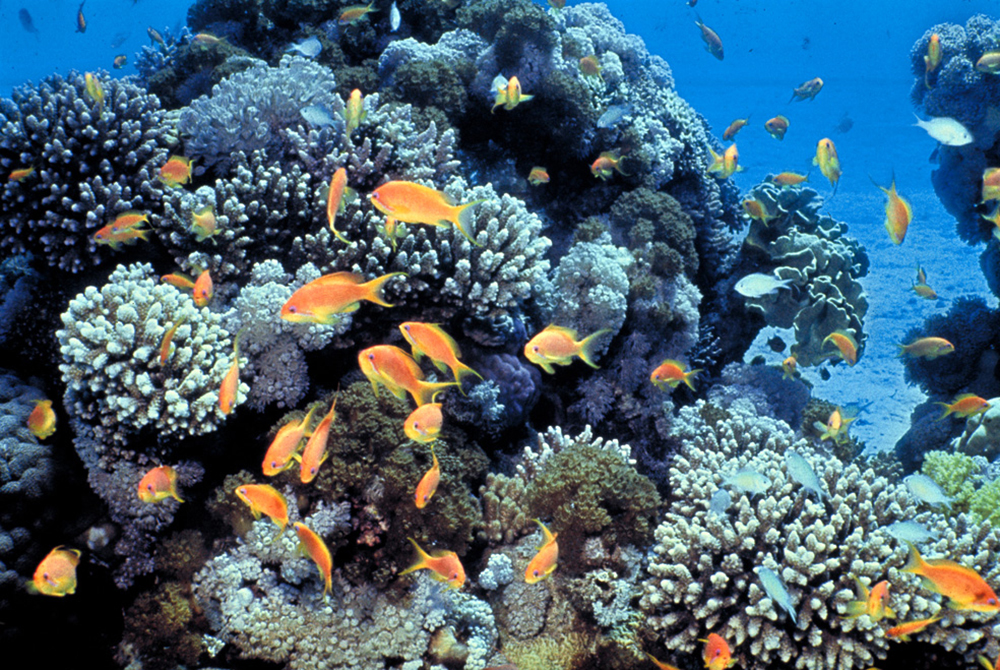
(925, 489)
(317, 115)
(720, 502)
(774, 587)
(911, 531)
(801, 472)
(309, 48)
(613, 115)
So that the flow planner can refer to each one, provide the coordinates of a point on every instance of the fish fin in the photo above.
(425, 391)
(854, 609)
(688, 376)
(377, 285)
(588, 344)
(464, 218)
(947, 410)
(461, 371)
(421, 563)
(914, 562)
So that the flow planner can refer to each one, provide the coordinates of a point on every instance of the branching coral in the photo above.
(111, 342)
(823, 265)
(91, 162)
(701, 573)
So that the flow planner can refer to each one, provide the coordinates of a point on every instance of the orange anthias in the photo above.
(874, 603)
(789, 178)
(428, 339)
(166, 346)
(315, 450)
(423, 425)
(717, 655)
(42, 420)
(408, 202)
(904, 630)
(671, 373)
(847, 347)
(285, 444)
(660, 664)
(264, 499)
(734, 128)
(445, 566)
(828, 161)
(177, 171)
(543, 563)
(316, 549)
(335, 201)
(159, 484)
(231, 382)
(428, 483)
(557, 345)
(898, 213)
(56, 574)
(963, 586)
(323, 300)
(203, 289)
(965, 405)
(397, 371)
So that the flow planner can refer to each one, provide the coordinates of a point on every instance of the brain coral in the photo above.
(701, 573)
(110, 344)
(90, 163)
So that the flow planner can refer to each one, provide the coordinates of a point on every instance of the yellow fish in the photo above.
(95, 90)
(847, 348)
(428, 484)
(56, 574)
(42, 420)
(926, 347)
(898, 213)
(557, 345)
(508, 93)
(828, 161)
(354, 114)
(544, 562)
(159, 484)
(408, 202)
(933, 57)
(203, 224)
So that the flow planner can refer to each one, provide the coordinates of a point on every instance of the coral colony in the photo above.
(208, 266)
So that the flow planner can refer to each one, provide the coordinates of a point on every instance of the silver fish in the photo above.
(317, 115)
(747, 480)
(613, 115)
(309, 48)
(758, 285)
(946, 130)
(720, 502)
(800, 471)
(911, 531)
(394, 17)
(774, 587)
(925, 489)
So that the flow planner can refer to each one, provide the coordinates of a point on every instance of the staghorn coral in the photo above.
(701, 570)
(110, 344)
(824, 266)
(91, 163)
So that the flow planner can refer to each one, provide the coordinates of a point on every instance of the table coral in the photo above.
(822, 262)
(91, 163)
(110, 344)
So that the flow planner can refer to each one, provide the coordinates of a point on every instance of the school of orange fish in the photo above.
(325, 299)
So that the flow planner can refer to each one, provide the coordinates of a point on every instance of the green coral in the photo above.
(954, 472)
(586, 490)
(433, 83)
(659, 233)
(158, 629)
(513, 28)
(984, 503)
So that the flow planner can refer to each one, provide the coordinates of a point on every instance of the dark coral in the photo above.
(659, 233)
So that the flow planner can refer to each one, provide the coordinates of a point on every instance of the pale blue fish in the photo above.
(747, 480)
(317, 115)
(309, 48)
(774, 587)
(613, 115)
(758, 285)
(911, 531)
(720, 502)
(925, 489)
(800, 471)
(394, 18)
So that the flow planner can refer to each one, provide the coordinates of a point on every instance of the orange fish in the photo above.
(965, 405)
(429, 482)
(231, 382)
(828, 161)
(203, 289)
(42, 420)
(323, 300)
(354, 13)
(117, 233)
(920, 286)
(20, 174)
(335, 201)
(399, 373)
(56, 574)
(874, 603)
(203, 224)
(726, 165)
(904, 630)
(898, 213)
(207, 39)
(177, 171)
(658, 663)
(671, 373)
(354, 113)
(991, 184)
(508, 93)
(985, 662)
(392, 230)
(557, 345)
(734, 128)
(408, 202)
(590, 66)
(933, 57)
(544, 562)
(835, 428)
(261, 498)
(713, 43)
(807, 90)
(606, 164)
(994, 218)
(757, 211)
(963, 586)
(789, 367)
(428, 339)
(927, 347)
(120, 61)
(789, 179)
(285, 444)
(538, 175)
(128, 221)
(445, 566)
(847, 348)
(717, 655)
(159, 484)
(177, 280)
(423, 425)
(316, 549)
(315, 451)
(81, 20)
(777, 127)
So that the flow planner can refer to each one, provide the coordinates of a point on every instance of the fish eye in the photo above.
(535, 573)
(371, 357)
(454, 575)
(99, 236)
(536, 348)
(992, 601)
(292, 309)
(416, 425)
(406, 328)
(274, 464)
(150, 487)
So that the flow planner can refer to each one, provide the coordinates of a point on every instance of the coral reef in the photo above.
(980, 437)
(823, 265)
(91, 161)
(111, 344)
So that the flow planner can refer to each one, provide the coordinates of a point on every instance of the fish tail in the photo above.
(587, 346)
(424, 393)
(854, 609)
(688, 376)
(947, 410)
(422, 559)
(464, 218)
(375, 287)
(915, 562)
(461, 371)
